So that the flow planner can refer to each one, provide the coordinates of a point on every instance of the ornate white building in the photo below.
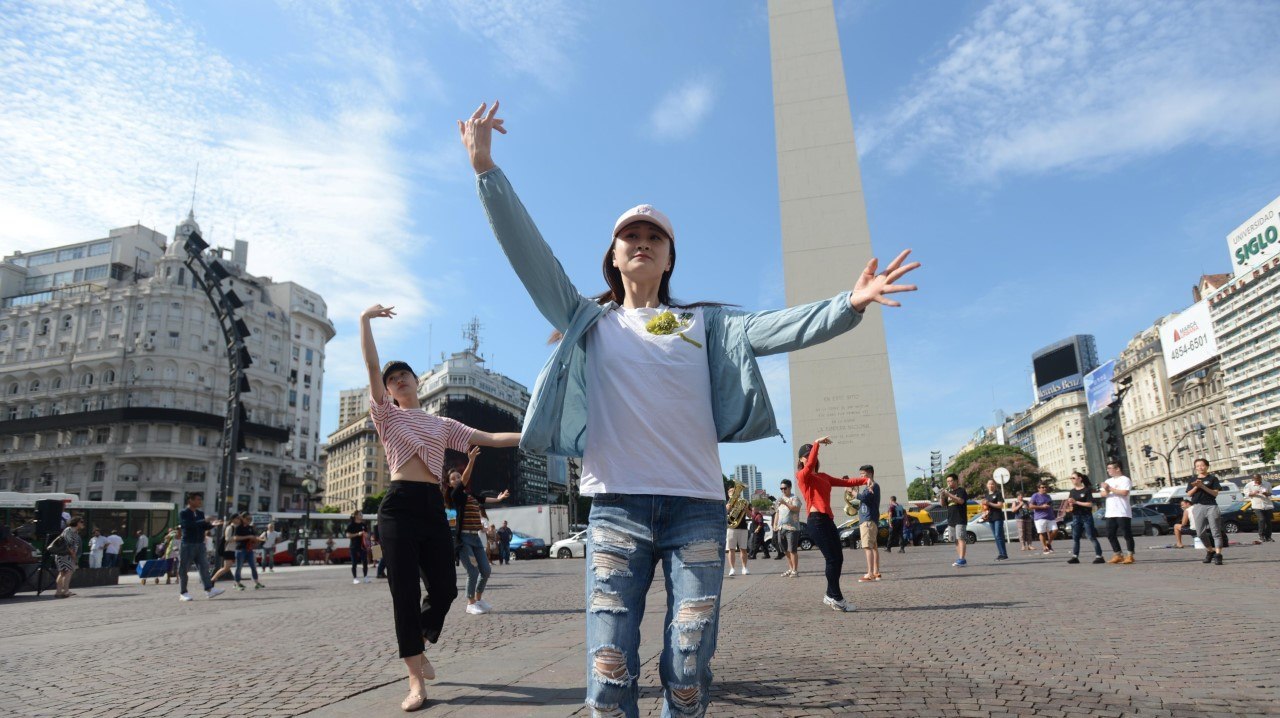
(113, 374)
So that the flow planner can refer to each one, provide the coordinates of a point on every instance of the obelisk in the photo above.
(843, 387)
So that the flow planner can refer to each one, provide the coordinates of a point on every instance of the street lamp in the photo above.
(309, 486)
(1151, 453)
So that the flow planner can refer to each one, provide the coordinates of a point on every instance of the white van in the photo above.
(1229, 494)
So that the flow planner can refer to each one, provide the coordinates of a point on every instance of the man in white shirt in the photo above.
(1259, 495)
(269, 539)
(787, 528)
(140, 546)
(111, 556)
(96, 543)
(1119, 513)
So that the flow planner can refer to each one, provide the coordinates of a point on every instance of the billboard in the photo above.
(1257, 240)
(1060, 367)
(1188, 339)
(1099, 387)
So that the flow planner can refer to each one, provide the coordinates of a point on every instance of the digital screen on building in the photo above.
(1057, 364)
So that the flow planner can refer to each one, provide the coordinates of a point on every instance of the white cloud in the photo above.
(1031, 87)
(681, 111)
(529, 35)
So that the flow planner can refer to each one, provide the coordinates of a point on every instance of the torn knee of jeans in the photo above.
(700, 552)
(610, 666)
(687, 701)
(691, 619)
(606, 564)
(605, 711)
(603, 601)
(603, 536)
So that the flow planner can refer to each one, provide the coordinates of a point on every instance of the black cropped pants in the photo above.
(417, 545)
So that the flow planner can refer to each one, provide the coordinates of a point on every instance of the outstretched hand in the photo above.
(477, 135)
(873, 286)
(376, 311)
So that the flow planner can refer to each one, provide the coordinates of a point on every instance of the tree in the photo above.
(763, 503)
(976, 466)
(920, 489)
(371, 503)
(327, 509)
(1270, 446)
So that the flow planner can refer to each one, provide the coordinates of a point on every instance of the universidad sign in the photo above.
(1257, 240)
(1188, 339)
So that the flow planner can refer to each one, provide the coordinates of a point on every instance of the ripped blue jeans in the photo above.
(630, 535)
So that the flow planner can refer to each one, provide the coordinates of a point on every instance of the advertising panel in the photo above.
(1099, 387)
(1257, 240)
(1188, 339)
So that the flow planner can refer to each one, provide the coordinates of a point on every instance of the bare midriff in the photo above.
(415, 470)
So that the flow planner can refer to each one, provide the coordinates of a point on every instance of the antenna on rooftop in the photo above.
(471, 332)
(195, 181)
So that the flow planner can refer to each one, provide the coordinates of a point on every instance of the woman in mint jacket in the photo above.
(643, 389)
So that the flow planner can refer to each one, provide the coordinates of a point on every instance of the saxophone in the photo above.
(737, 505)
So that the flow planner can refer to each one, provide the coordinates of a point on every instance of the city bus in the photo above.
(324, 527)
(18, 512)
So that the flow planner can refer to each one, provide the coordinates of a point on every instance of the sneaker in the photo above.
(960, 563)
(239, 586)
(1099, 559)
(1002, 558)
(185, 597)
(355, 581)
(484, 605)
(835, 605)
(795, 574)
(215, 592)
(1116, 559)
(475, 610)
(745, 571)
(1128, 559)
(257, 586)
(1208, 557)
(1048, 551)
(733, 572)
(368, 580)
(1073, 559)
(1217, 559)
(786, 574)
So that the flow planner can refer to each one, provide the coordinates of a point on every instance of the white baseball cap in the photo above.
(647, 213)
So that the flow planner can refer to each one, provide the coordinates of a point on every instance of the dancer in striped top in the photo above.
(411, 520)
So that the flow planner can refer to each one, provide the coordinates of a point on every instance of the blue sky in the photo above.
(1059, 167)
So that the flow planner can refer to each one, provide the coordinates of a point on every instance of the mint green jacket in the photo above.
(556, 421)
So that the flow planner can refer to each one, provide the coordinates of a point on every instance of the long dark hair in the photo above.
(617, 291)
(1084, 478)
(803, 455)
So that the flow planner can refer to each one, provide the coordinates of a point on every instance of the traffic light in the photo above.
(1112, 438)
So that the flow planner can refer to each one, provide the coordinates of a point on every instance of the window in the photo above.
(24, 331)
(109, 376)
(99, 248)
(99, 272)
(66, 322)
(80, 438)
(86, 379)
(103, 436)
(126, 496)
(175, 342)
(310, 354)
(295, 349)
(34, 385)
(4, 332)
(195, 475)
(44, 327)
(99, 472)
(306, 402)
(117, 315)
(175, 310)
(293, 396)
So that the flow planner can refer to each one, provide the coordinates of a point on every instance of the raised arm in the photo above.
(370, 350)
(530, 256)
(472, 453)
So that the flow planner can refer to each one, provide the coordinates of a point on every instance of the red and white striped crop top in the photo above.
(409, 432)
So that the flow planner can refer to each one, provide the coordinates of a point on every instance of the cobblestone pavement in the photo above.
(1168, 636)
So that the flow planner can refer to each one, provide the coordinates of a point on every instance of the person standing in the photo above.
(1119, 513)
(815, 487)
(140, 545)
(787, 528)
(471, 550)
(270, 539)
(1080, 504)
(659, 384)
(897, 520)
(1203, 490)
(1042, 511)
(956, 499)
(869, 522)
(757, 534)
(1259, 495)
(416, 540)
(993, 503)
(736, 541)
(1026, 525)
(194, 526)
(111, 555)
(172, 553)
(245, 537)
(65, 549)
(97, 543)
(504, 544)
(358, 535)
(225, 546)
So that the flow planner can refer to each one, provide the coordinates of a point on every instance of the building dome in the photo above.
(180, 234)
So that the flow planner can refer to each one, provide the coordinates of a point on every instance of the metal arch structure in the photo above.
(208, 274)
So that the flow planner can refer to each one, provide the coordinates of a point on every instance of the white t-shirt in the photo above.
(114, 543)
(142, 543)
(1118, 506)
(788, 519)
(649, 424)
(272, 537)
(97, 543)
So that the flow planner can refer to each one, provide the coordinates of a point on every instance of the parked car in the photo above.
(573, 547)
(805, 542)
(1146, 522)
(1238, 518)
(526, 547)
(1172, 512)
(851, 533)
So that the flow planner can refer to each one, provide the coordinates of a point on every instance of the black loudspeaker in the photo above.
(48, 517)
